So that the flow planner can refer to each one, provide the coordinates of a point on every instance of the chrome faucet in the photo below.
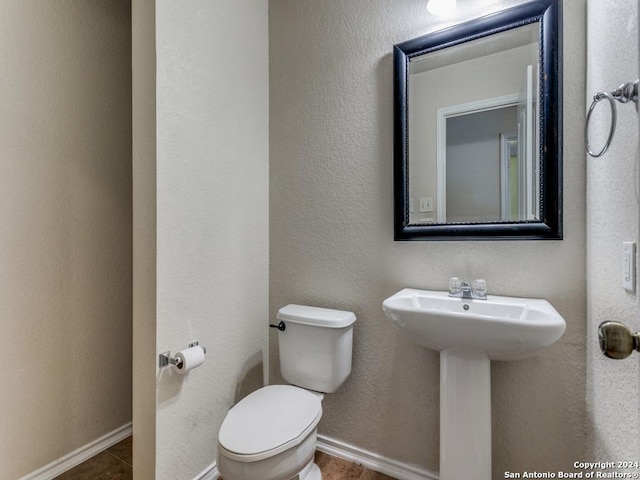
(460, 289)
(466, 290)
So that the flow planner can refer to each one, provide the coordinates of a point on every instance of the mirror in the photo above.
(477, 140)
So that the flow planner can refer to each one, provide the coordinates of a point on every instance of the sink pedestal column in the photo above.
(465, 416)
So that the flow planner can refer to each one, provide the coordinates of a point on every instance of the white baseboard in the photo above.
(78, 456)
(337, 448)
(209, 473)
(373, 461)
(370, 460)
(354, 455)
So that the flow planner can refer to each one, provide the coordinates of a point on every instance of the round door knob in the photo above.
(616, 340)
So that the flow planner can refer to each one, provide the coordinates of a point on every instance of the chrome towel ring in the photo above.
(624, 93)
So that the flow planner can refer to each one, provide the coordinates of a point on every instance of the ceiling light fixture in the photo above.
(441, 8)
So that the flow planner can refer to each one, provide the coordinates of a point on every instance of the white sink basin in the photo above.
(501, 328)
(468, 334)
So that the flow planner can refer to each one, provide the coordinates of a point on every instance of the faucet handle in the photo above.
(455, 287)
(480, 288)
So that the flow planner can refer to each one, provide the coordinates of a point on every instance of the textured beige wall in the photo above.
(332, 245)
(612, 205)
(65, 216)
(212, 218)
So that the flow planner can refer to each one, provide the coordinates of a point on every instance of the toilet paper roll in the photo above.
(189, 358)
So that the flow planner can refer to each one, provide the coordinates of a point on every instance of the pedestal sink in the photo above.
(469, 333)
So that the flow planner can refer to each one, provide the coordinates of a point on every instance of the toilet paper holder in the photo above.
(165, 358)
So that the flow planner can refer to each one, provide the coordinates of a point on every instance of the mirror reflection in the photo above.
(473, 130)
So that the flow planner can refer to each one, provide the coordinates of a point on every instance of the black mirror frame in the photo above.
(549, 227)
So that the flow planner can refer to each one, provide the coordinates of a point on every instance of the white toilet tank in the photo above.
(315, 346)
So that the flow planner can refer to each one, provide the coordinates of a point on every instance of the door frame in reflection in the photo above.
(504, 101)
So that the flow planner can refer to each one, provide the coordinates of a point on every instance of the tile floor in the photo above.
(337, 469)
(116, 463)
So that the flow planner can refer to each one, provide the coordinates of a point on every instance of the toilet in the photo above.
(271, 433)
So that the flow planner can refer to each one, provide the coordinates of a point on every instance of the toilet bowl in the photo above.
(271, 434)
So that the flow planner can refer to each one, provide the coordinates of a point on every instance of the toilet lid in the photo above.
(270, 417)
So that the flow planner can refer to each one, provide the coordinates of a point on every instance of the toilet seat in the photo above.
(269, 421)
